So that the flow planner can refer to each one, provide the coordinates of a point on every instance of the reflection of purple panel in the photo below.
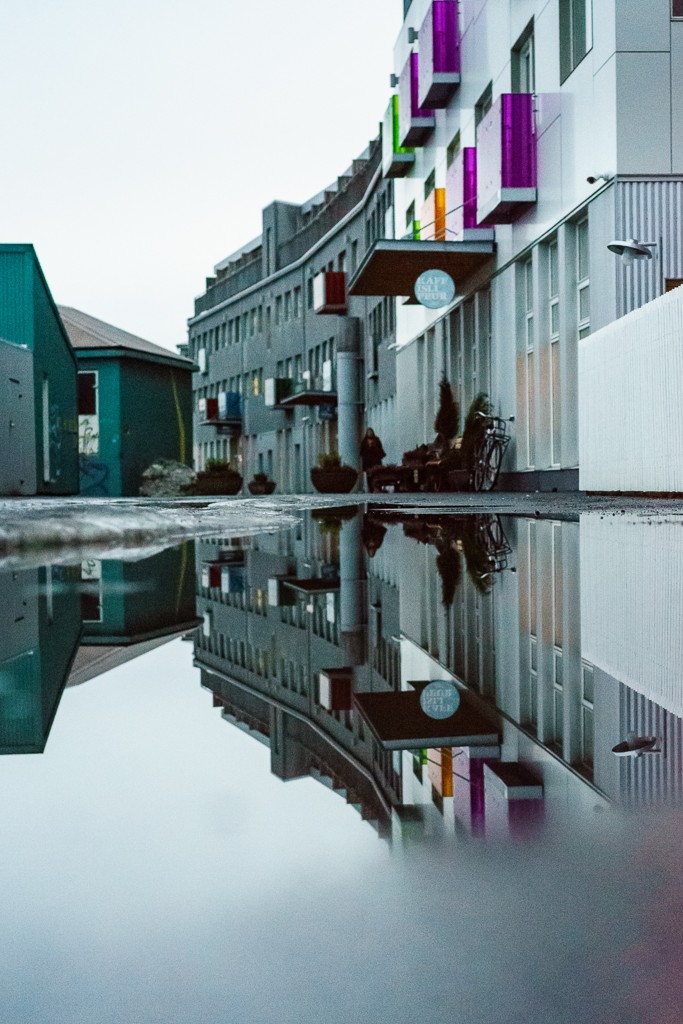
(506, 160)
(439, 54)
(415, 122)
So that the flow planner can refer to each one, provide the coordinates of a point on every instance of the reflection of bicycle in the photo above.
(492, 539)
(489, 451)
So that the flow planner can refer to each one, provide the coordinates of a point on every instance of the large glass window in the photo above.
(576, 34)
(677, 8)
(554, 338)
(483, 105)
(529, 389)
(583, 278)
(523, 64)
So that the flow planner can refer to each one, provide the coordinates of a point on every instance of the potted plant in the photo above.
(261, 484)
(218, 477)
(330, 476)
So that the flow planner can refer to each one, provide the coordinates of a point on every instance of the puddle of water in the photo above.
(501, 847)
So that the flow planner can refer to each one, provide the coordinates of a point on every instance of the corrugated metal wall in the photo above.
(652, 778)
(651, 211)
(630, 401)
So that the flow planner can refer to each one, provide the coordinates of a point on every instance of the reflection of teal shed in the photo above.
(135, 601)
(40, 626)
(43, 390)
(134, 405)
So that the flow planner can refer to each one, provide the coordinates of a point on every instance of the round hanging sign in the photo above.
(440, 699)
(434, 289)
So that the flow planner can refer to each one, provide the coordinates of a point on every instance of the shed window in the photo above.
(87, 394)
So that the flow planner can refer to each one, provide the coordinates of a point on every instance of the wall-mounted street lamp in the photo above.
(631, 250)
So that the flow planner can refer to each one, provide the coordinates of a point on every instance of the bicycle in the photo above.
(489, 452)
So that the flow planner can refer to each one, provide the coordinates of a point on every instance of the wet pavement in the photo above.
(361, 762)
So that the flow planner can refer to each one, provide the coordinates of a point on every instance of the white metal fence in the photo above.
(631, 401)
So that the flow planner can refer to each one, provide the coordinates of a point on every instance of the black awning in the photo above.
(392, 267)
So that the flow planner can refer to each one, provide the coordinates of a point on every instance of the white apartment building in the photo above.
(574, 111)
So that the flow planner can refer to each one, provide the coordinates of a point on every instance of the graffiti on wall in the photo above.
(88, 435)
(94, 477)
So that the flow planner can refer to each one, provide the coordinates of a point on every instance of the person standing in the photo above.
(371, 451)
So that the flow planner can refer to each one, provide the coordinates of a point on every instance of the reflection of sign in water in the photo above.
(440, 699)
(434, 289)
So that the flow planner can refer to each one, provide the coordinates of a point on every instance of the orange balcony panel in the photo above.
(433, 216)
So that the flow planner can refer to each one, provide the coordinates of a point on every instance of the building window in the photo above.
(523, 65)
(529, 373)
(554, 338)
(296, 303)
(354, 256)
(677, 8)
(430, 184)
(453, 149)
(309, 293)
(88, 420)
(278, 310)
(576, 34)
(583, 278)
(483, 105)
(587, 720)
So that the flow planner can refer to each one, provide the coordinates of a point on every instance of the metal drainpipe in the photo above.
(348, 392)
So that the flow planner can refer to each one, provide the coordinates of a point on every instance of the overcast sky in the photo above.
(141, 139)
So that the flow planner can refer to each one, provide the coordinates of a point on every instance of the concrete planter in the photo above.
(218, 483)
(261, 486)
(335, 480)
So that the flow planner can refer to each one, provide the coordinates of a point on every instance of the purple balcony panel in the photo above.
(506, 160)
(461, 200)
(439, 54)
(416, 123)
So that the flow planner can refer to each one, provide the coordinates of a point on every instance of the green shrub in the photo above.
(329, 460)
(218, 466)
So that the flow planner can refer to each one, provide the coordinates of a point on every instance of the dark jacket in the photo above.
(371, 452)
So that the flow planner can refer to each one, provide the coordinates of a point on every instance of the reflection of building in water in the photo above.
(283, 647)
(136, 601)
(323, 652)
(40, 625)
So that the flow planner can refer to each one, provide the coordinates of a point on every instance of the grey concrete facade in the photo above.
(256, 322)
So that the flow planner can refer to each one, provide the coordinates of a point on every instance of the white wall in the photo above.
(632, 604)
(630, 400)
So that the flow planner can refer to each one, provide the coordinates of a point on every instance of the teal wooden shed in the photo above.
(134, 405)
(39, 384)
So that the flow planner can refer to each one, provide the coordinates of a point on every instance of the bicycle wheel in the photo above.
(479, 463)
(494, 456)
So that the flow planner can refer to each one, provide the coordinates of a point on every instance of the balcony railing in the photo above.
(309, 389)
(461, 199)
(329, 292)
(232, 284)
(432, 223)
(338, 207)
(439, 42)
(396, 159)
(223, 412)
(506, 160)
(415, 122)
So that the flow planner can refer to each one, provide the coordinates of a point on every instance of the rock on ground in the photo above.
(167, 479)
